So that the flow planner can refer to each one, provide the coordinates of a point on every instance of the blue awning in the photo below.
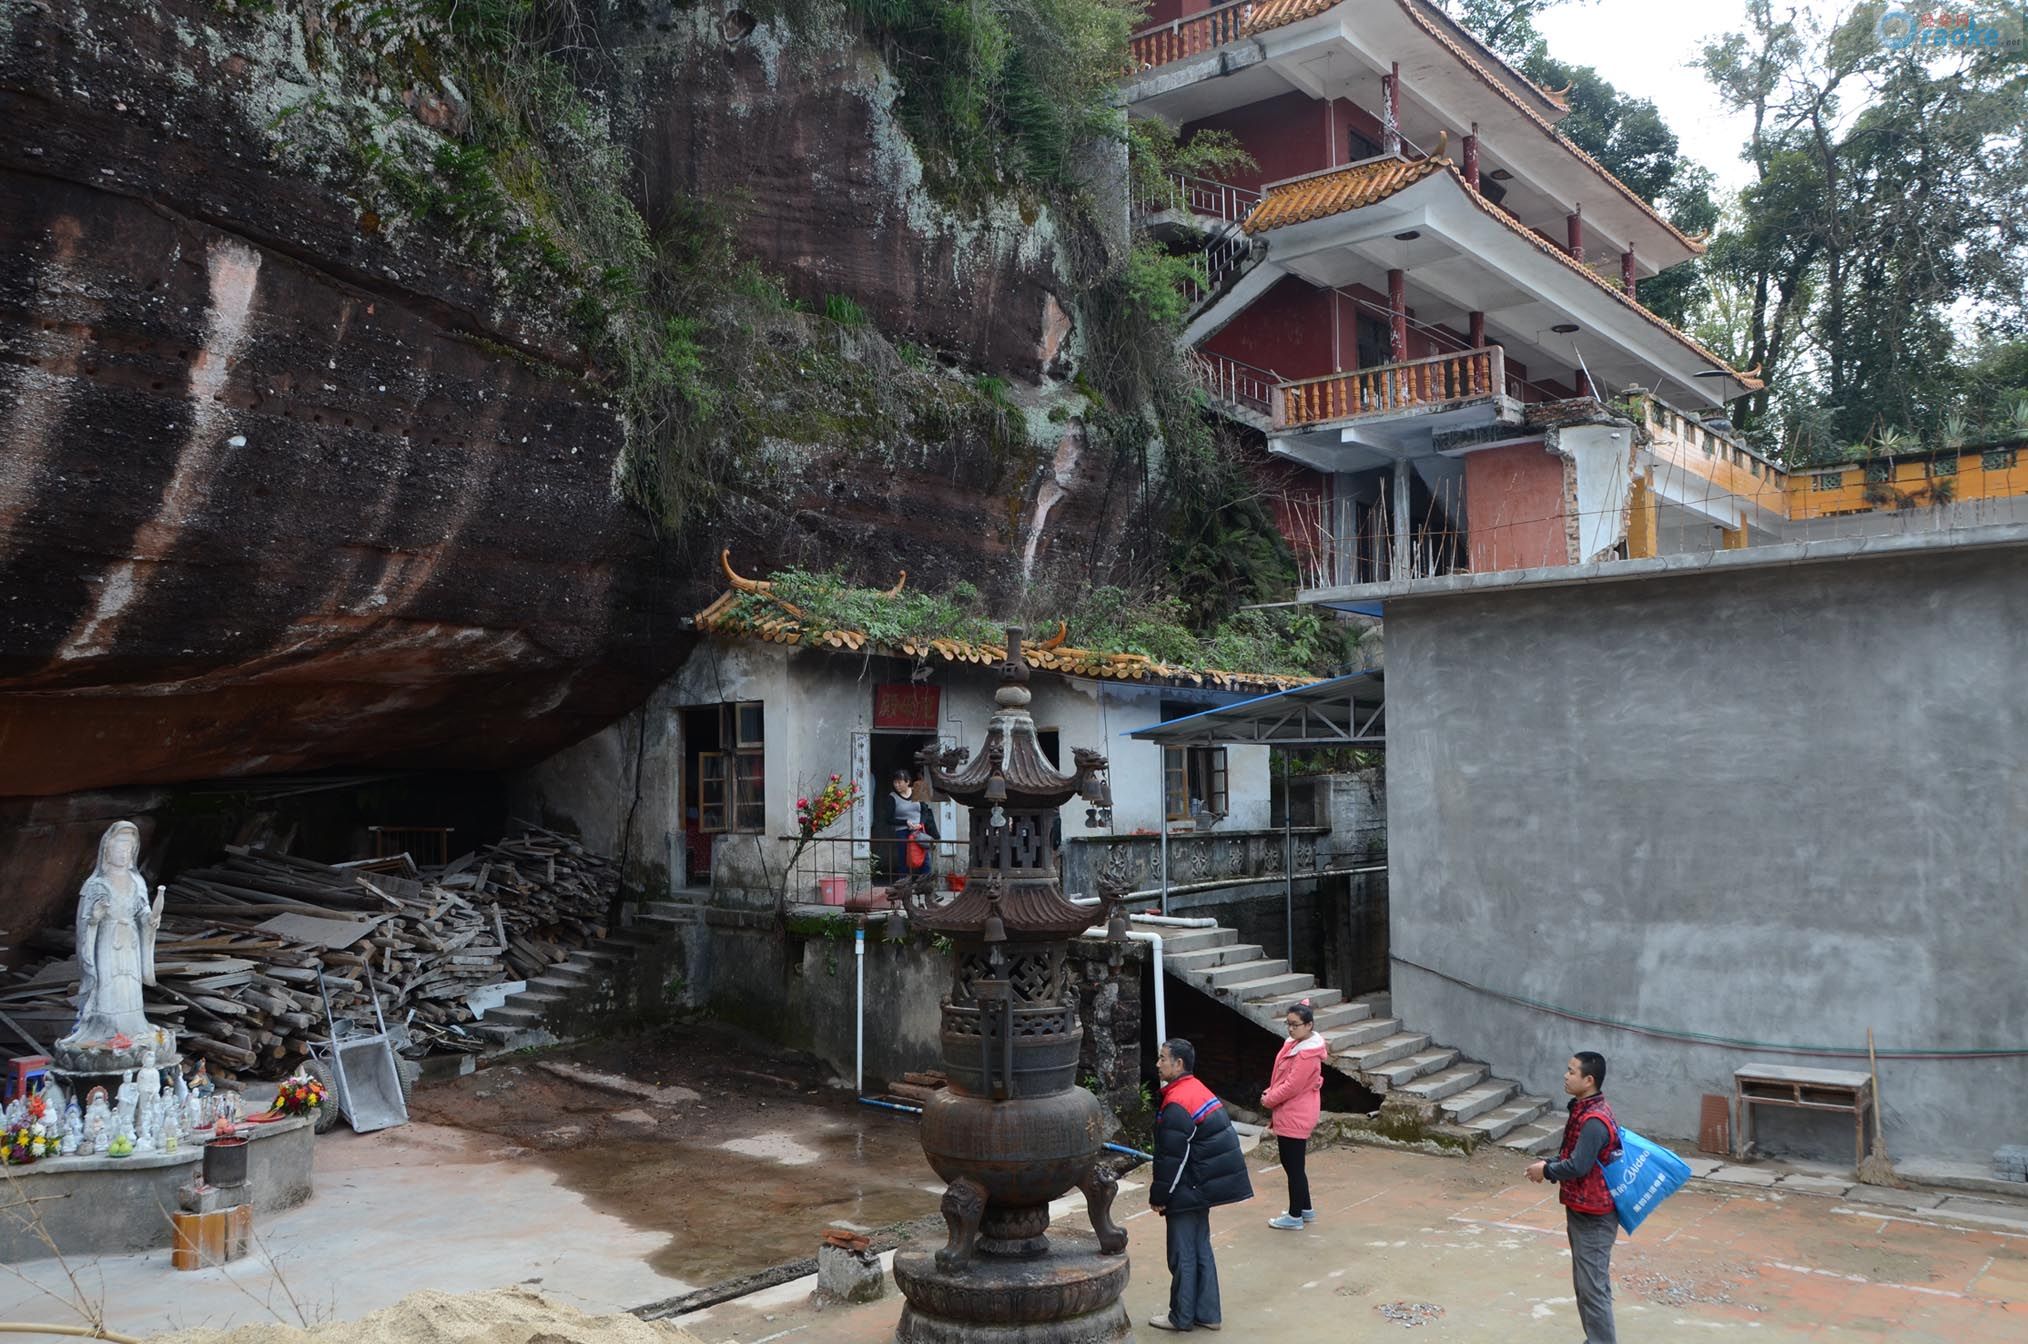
(1342, 712)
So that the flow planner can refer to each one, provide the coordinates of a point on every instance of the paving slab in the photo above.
(1808, 1184)
(1743, 1176)
(1700, 1166)
(1987, 1210)
(1889, 1197)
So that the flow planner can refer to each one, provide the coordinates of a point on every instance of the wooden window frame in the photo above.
(738, 793)
(1185, 766)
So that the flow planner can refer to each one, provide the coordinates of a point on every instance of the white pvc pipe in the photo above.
(1154, 940)
(1175, 921)
(859, 995)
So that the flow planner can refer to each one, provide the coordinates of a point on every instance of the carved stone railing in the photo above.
(1198, 860)
(1190, 36)
(1417, 383)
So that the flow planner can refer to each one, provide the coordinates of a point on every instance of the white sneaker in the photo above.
(1285, 1222)
(1309, 1215)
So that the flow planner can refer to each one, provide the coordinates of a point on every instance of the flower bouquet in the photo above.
(819, 814)
(299, 1095)
(22, 1144)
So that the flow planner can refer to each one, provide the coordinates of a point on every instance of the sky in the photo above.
(1644, 48)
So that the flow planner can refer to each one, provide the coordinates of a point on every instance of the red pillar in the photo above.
(1472, 157)
(1583, 382)
(1397, 316)
(1476, 327)
(1575, 223)
(1627, 272)
(1390, 111)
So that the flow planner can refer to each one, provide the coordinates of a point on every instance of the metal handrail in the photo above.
(1235, 382)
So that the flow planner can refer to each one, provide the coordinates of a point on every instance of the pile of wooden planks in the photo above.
(242, 942)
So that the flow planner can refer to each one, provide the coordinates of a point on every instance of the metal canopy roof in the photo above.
(1341, 712)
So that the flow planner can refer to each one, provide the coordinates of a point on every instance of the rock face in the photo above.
(281, 491)
(792, 127)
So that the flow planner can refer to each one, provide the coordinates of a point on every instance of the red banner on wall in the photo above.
(906, 705)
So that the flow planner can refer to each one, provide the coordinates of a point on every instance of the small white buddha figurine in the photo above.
(124, 1103)
(98, 1123)
(148, 1078)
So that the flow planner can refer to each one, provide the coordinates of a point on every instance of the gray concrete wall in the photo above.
(1770, 804)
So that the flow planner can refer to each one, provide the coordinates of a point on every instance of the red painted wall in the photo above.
(1514, 507)
(1298, 500)
(1162, 11)
(1287, 136)
(1287, 329)
(1291, 135)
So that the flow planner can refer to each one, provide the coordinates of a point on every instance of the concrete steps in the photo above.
(1255, 967)
(1366, 1042)
(523, 1019)
(1537, 1137)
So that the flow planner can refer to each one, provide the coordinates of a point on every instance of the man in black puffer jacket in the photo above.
(1198, 1166)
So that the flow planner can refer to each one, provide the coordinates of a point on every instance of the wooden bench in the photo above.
(1805, 1090)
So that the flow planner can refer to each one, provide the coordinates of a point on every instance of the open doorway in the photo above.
(887, 752)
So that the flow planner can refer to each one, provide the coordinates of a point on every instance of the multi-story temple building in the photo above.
(1428, 300)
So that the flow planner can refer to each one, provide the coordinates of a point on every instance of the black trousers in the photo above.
(1293, 1153)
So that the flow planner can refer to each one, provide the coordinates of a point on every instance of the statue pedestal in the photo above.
(1071, 1295)
(78, 1068)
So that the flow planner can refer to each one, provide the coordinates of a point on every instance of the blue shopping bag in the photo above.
(1642, 1176)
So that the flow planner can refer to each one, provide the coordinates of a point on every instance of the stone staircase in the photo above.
(1367, 1044)
(584, 984)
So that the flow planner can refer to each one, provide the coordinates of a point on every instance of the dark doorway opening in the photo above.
(887, 752)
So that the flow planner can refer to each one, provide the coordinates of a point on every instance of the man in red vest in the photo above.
(1590, 1136)
(1198, 1166)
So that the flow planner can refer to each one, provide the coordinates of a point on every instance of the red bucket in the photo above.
(832, 890)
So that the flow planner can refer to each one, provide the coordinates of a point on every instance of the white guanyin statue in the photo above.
(116, 926)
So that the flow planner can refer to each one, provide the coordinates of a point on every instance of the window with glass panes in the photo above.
(732, 782)
(1193, 775)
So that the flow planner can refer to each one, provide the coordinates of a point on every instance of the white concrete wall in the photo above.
(815, 703)
(1603, 457)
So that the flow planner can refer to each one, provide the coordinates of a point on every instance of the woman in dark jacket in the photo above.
(1198, 1166)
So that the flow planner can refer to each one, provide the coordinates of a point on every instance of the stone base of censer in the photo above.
(1069, 1296)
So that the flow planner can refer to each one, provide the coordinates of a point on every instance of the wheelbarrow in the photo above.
(359, 1069)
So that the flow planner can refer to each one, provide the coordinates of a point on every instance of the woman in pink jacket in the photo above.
(1295, 1097)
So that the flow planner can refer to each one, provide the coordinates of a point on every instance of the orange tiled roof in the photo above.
(1335, 192)
(1280, 13)
(1367, 183)
(722, 617)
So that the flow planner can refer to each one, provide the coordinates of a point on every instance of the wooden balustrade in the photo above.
(1461, 376)
(1191, 36)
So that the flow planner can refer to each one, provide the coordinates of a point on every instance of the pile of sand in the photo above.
(502, 1316)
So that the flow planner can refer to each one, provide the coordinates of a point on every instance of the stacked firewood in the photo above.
(242, 944)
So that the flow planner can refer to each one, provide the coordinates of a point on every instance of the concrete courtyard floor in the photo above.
(1466, 1248)
(1470, 1250)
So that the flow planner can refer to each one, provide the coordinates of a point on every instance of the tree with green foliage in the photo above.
(1886, 224)
(1624, 133)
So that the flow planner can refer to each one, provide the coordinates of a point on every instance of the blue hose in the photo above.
(1120, 1148)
